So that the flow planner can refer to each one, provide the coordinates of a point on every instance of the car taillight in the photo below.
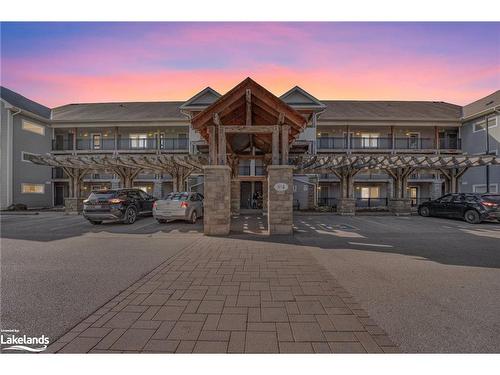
(184, 204)
(489, 204)
(115, 201)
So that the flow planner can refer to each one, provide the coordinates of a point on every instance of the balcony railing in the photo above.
(64, 144)
(89, 144)
(371, 202)
(108, 144)
(386, 143)
(174, 143)
(327, 202)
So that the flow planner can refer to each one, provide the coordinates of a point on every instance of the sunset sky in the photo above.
(61, 63)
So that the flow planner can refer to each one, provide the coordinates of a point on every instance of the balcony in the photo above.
(386, 143)
(122, 144)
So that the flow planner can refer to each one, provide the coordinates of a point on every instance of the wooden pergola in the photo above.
(127, 167)
(399, 167)
(248, 117)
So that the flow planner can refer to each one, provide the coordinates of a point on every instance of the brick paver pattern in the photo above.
(227, 295)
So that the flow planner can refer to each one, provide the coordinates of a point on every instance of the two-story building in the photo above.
(334, 127)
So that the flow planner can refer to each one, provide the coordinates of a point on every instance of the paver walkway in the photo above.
(231, 295)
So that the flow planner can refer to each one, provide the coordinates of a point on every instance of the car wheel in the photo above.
(424, 211)
(472, 217)
(194, 217)
(95, 222)
(161, 221)
(130, 216)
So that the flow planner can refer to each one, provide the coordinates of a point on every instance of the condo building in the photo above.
(340, 127)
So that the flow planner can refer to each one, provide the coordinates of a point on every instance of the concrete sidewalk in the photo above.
(231, 295)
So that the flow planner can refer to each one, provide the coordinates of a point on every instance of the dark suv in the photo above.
(119, 205)
(471, 207)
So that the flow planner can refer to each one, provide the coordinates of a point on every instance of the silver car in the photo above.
(184, 206)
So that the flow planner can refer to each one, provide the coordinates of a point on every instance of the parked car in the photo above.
(471, 207)
(184, 206)
(119, 205)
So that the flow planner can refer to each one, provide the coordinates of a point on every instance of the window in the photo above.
(481, 125)
(32, 127)
(24, 155)
(369, 140)
(413, 140)
(482, 188)
(96, 141)
(370, 192)
(138, 140)
(32, 188)
(446, 198)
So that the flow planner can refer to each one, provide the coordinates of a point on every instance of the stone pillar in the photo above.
(436, 190)
(157, 189)
(115, 183)
(73, 205)
(235, 197)
(400, 206)
(217, 202)
(346, 206)
(280, 199)
(264, 195)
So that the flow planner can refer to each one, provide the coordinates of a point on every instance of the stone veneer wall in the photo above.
(235, 196)
(217, 202)
(280, 203)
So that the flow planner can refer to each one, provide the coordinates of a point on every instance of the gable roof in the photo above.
(201, 100)
(297, 97)
(265, 109)
(23, 103)
(390, 110)
(119, 111)
(482, 106)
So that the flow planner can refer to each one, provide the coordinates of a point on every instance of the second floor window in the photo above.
(138, 140)
(481, 125)
(369, 140)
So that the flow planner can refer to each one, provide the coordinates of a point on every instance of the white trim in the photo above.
(483, 121)
(26, 153)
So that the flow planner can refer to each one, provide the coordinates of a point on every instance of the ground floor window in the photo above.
(33, 188)
(370, 192)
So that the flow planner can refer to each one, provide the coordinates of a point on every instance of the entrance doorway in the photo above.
(59, 195)
(251, 195)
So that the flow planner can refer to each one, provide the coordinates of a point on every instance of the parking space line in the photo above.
(369, 244)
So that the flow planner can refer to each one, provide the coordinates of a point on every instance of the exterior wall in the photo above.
(5, 157)
(474, 143)
(26, 172)
(301, 193)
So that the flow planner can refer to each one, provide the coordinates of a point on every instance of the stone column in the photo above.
(280, 199)
(400, 206)
(157, 188)
(73, 205)
(346, 206)
(436, 190)
(235, 196)
(217, 202)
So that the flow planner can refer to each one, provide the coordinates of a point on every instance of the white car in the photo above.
(183, 206)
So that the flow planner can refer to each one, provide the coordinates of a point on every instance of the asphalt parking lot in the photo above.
(432, 284)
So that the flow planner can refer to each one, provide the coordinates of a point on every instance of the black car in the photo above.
(471, 207)
(118, 205)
